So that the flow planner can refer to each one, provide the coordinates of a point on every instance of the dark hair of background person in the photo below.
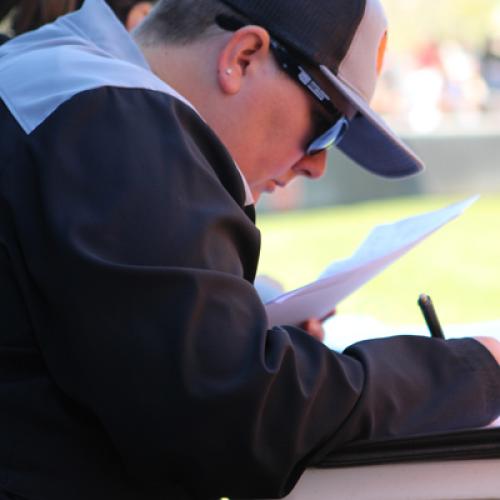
(31, 14)
(5, 7)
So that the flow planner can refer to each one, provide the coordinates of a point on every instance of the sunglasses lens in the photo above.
(331, 137)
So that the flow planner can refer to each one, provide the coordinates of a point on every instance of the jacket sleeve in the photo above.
(142, 259)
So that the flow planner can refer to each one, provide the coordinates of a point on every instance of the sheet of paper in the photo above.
(496, 423)
(385, 244)
(343, 330)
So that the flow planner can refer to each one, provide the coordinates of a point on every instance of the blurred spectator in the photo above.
(491, 62)
(424, 88)
(465, 89)
(30, 14)
(437, 84)
(5, 7)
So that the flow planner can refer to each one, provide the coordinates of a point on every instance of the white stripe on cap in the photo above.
(359, 66)
(369, 141)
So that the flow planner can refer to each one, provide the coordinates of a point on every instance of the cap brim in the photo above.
(369, 141)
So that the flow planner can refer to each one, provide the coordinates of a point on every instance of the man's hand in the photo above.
(492, 344)
(314, 326)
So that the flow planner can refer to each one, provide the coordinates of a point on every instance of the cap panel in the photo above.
(359, 67)
(369, 145)
(321, 30)
(369, 141)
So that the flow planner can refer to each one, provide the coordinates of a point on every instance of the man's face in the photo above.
(280, 120)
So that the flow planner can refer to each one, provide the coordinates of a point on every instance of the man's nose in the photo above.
(312, 166)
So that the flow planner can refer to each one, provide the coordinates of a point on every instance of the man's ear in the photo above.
(136, 14)
(244, 54)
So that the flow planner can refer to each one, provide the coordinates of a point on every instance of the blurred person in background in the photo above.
(466, 92)
(490, 61)
(5, 8)
(31, 14)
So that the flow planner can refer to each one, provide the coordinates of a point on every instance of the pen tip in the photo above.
(422, 298)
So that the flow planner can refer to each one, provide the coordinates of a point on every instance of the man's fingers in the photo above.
(492, 344)
(314, 327)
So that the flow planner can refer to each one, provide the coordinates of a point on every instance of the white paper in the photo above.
(495, 423)
(384, 244)
(343, 330)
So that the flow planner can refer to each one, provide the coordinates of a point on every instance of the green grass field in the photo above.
(459, 266)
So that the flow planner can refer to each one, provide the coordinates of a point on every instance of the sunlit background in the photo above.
(443, 67)
(440, 90)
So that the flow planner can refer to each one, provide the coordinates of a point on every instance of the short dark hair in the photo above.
(181, 21)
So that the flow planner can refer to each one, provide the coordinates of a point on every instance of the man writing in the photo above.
(135, 361)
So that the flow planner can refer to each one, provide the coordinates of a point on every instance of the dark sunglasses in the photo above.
(333, 133)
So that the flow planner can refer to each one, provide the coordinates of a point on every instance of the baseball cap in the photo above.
(345, 40)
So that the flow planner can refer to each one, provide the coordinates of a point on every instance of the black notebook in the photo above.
(457, 445)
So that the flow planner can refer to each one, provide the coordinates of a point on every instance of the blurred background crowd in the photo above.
(443, 69)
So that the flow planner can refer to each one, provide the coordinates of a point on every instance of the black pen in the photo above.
(430, 316)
